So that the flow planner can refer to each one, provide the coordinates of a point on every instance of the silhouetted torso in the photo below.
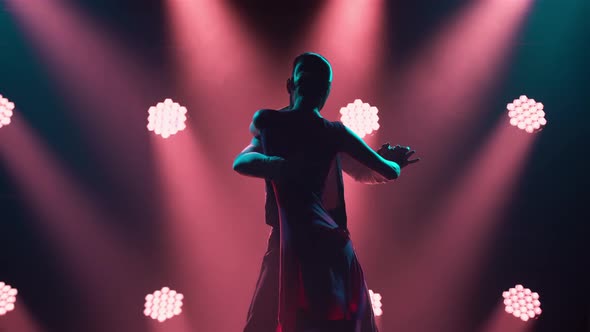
(309, 144)
(321, 279)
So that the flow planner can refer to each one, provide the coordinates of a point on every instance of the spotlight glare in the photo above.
(7, 298)
(376, 303)
(522, 303)
(360, 117)
(6, 108)
(526, 114)
(166, 118)
(163, 304)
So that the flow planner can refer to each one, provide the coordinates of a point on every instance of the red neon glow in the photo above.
(7, 298)
(522, 303)
(527, 114)
(376, 302)
(167, 118)
(163, 304)
(360, 117)
(6, 107)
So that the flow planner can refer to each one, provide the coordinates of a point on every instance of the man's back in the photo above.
(308, 143)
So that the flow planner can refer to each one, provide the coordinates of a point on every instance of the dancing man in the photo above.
(321, 283)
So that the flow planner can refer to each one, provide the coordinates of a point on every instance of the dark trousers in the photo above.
(263, 312)
(326, 326)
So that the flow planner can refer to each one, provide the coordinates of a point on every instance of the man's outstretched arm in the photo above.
(252, 162)
(360, 172)
(363, 174)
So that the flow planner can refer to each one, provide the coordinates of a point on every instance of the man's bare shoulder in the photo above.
(264, 116)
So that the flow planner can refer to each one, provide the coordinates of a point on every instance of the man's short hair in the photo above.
(316, 74)
(315, 64)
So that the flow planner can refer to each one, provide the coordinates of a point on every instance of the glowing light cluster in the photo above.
(376, 302)
(527, 114)
(522, 303)
(360, 117)
(163, 304)
(167, 118)
(7, 298)
(6, 107)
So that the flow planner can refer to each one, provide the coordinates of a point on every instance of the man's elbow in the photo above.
(394, 173)
(392, 176)
(238, 166)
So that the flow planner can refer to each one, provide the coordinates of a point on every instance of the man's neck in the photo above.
(300, 104)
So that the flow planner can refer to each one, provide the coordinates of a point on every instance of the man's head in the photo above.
(311, 79)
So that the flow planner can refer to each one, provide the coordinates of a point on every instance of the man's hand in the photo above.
(398, 154)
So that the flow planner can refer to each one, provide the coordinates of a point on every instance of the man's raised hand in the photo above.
(398, 154)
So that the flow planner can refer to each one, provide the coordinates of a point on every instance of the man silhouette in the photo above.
(263, 312)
